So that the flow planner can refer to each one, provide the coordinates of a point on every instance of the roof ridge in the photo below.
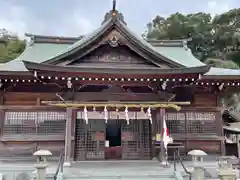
(168, 40)
(53, 39)
(168, 43)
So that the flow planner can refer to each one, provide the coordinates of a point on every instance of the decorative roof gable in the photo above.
(113, 30)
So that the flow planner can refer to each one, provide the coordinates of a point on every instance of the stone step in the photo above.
(123, 177)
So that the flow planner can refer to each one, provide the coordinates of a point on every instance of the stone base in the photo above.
(165, 164)
(67, 164)
(227, 174)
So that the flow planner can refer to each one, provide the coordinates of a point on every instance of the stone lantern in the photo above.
(226, 171)
(197, 158)
(41, 164)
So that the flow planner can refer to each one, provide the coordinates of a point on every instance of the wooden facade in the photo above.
(109, 67)
(29, 125)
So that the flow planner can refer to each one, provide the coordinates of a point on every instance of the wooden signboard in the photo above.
(98, 136)
(127, 136)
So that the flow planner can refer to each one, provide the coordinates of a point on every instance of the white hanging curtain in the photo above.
(149, 114)
(126, 115)
(105, 114)
(85, 115)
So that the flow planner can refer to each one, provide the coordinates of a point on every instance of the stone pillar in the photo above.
(197, 158)
(68, 138)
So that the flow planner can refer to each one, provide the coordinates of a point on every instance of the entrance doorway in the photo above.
(113, 139)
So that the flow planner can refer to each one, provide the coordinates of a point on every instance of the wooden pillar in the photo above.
(238, 144)
(219, 125)
(2, 113)
(142, 142)
(155, 118)
(68, 137)
(163, 116)
(186, 143)
(73, 133)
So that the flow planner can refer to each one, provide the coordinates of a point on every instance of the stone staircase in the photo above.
(111, 170)
(134, 170)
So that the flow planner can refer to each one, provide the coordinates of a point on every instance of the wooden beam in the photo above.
(31, 108)
(116, 102)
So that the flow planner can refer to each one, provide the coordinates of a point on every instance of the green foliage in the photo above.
(10, 46)
(217, 37)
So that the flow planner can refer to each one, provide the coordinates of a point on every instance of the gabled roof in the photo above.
(116, 23)
(42, 48)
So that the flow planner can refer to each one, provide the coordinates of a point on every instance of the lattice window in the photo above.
(175, 122)
(34, 123)
(201, 122)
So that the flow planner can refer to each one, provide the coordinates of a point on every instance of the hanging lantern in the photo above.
(106, 114)
(126, 115)
(142, 109)
(85, 115)
(149, 115)
(94, 108)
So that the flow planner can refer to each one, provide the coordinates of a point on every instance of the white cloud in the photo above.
(12, 18)
(219, 6)
(19, 20)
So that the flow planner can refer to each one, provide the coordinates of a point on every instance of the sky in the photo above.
(78, 17)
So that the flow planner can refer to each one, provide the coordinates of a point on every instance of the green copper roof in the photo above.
(180, 55)
(37, 52)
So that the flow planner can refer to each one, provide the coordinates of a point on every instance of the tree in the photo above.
(215, 40)
(10, 46)
(217, 37)
(179, 26)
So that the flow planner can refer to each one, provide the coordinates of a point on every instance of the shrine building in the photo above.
(109, 89)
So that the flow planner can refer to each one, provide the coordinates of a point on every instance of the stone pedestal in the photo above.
(41, 171)
(66, 164)
(42, 164)
(227, 174)
(197, 158)
(198, 173)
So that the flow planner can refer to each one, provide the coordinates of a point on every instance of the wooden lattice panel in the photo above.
(90, 139)
(201, 122)
(36, 123)
(175, 123)
(145, 139)
(136, 139)
(95, 144)
(80, 140)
